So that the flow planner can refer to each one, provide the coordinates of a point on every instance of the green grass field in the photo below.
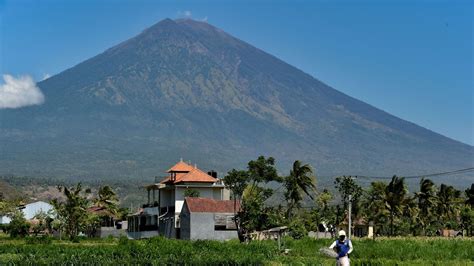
(395, 251)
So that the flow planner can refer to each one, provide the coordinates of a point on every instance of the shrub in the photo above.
(38, 240)
(18, 226)
(297, 229)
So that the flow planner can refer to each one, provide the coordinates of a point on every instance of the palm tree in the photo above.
(72, 212)
(427, 201)
(300, 180)
(107, 198)
(448, 203)
(374, 203)
(395, 198)
(470, 196)
(412, 214)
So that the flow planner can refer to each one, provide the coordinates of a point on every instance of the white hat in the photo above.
(341, 233)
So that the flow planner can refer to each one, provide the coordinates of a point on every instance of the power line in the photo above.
(455, 172)
(460, 171)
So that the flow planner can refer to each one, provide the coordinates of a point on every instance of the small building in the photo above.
(30, 211)
(360, 227)
(204, 218)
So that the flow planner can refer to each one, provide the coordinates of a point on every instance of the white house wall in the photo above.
(33, 209)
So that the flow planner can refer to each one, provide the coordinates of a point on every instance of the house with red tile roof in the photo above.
(161, 214)
(204, 218)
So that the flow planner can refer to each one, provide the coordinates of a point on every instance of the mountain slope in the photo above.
(187, 89)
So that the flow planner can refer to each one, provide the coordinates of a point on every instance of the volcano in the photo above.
(186, 89)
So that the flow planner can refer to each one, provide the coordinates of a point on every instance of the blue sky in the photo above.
(413, 59)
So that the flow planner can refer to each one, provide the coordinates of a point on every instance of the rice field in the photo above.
(158, 251)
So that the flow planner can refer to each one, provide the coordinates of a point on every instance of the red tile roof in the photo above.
(180, 167)
(193, 175)
(211, 205)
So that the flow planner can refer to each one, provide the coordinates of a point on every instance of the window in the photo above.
(224, 222)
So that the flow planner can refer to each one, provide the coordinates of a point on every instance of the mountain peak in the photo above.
(166, 23)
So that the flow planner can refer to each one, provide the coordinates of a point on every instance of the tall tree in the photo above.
(263, 170)
(300, 180)
(73, 211)
(427, 201)
(449, 203)
(259, 172)
(470, 196)
(374, 204)
(323, 199)
(395, 194)
(108, 199)
(236, 181)
(412, 215)
(347, 186)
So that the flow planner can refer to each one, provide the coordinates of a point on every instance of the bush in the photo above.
(123, 240)
(18, 226)
(297, 229)
(38, 240)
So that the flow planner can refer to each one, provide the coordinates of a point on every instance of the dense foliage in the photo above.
(390, 207)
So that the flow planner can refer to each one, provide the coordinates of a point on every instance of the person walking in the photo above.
(343, 248)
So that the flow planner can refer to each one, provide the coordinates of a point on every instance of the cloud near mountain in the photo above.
(19, 92)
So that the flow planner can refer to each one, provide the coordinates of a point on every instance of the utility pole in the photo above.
(350, 220)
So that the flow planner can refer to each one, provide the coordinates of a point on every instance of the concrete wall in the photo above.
(142, 234)
(202, 227)
(204, 192)
(225, 194)
(166, 199)
(151, 210)
(185, 222)
(111, 231)
(167, 226)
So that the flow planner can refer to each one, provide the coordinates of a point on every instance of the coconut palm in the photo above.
(427, 201)
(395, 194)
(72, 212)
(300, 180)
(470, 196)
(374, 203)
(107, 198)
(449, 201)
(412, 214)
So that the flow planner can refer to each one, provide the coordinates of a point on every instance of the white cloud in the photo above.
(204, 19)
(185, 14)
(19, 92)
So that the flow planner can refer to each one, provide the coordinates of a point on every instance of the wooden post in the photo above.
(279, 240)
